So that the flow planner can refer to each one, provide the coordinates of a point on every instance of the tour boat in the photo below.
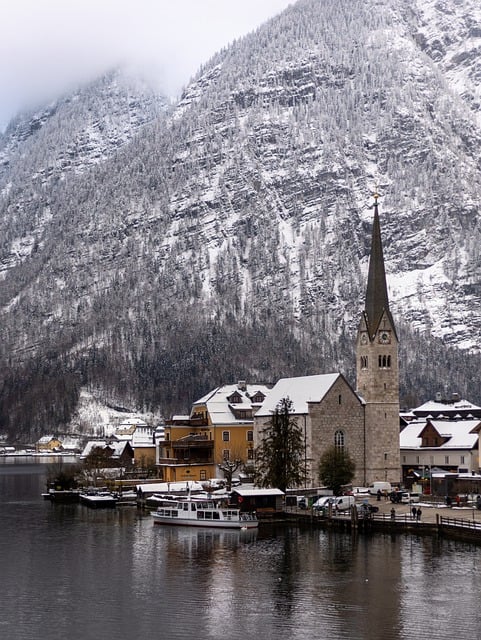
(194, 512)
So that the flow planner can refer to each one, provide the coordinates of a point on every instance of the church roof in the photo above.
(377, 300)
(299, 390)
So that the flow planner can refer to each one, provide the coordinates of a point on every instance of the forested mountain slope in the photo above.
(151, 255)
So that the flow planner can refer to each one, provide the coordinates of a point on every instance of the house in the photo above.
(115, 454)
(219, 427)
(442, 434)
(48, 443)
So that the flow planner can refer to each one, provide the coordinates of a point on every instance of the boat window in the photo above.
(174, 513)
(215, 515)
(200, 515)
(208, 515)
(192, 506)
(186, 506)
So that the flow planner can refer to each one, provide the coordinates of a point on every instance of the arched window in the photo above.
(364, 362)
(339, 439)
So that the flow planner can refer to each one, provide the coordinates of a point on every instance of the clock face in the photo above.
(384, 337)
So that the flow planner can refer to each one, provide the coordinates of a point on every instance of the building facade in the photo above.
(329, 412)
(219, 427)
(377, 370)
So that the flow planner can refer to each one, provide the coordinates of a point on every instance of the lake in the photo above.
(71, 573)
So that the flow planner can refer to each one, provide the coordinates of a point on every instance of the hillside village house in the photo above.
(48, 443)
(220, 426)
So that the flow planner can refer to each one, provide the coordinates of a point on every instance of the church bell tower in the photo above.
(377, 370)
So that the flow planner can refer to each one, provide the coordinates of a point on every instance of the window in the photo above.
(339, 399)
(226, 454)
(461, 460)
(364, 362)
(384, 362)
(250, 454)
(446, 459)
(339, 439)
(203, 474)
(250, 436)
(226, 436)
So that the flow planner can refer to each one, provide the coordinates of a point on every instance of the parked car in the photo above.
(322, 503)
(409, 498)
(366, 509)
(396, 496)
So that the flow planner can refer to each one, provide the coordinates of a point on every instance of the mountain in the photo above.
(151, 252)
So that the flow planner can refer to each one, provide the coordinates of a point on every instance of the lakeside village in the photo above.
(430, 453)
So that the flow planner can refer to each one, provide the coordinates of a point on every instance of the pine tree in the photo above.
(279, 460)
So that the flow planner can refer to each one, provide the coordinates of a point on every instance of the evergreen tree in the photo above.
(336, 469)
(279, 461)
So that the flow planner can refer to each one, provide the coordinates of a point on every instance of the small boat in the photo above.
(62, 496)
(195, 512)
(98, 499)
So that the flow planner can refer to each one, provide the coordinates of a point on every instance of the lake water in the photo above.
(70, 573)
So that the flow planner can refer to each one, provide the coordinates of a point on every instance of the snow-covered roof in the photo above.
(169, 487)
(434, 407)
(219, 406)
(299, 390)
(459, 433)
(245, 493)
(117, 447)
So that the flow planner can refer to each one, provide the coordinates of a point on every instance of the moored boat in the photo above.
(194, 512)
(98, 499)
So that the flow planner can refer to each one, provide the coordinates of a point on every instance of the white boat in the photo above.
(98, 499)
(195, 512)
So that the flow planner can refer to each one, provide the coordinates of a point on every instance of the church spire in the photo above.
(377, 301)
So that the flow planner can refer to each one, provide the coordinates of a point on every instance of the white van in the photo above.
(339, 503)
(383, 487)
(342, 503)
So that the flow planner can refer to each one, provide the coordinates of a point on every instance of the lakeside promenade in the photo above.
(462, 522)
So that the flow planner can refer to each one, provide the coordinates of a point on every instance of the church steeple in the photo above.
(377, 368)
(377, 300)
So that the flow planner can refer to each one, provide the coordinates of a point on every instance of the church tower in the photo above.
(378, 370)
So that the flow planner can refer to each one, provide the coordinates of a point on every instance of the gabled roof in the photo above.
(221, 409)
(300, 391)
(245, 493)
(459, 434)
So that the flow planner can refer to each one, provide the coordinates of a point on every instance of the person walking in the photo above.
(393, 514)
(414, 512)
(418, 514)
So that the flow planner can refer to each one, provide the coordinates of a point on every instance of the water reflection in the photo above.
(70, 571)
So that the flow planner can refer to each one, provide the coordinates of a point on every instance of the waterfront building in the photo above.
(330, 412)
(219, 427)
(441, 434)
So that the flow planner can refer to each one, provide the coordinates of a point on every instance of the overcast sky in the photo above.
(48, 46)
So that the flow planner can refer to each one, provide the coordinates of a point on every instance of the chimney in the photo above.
(242, 385)
(439, 396)
(455, 397)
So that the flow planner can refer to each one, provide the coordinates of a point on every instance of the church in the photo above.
(363, 421)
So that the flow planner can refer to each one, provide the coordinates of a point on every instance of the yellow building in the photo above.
(219, 427)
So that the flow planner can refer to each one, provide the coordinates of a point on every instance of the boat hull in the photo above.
(216, 524)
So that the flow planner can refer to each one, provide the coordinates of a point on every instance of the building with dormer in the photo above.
(441, 434)
(219, 427)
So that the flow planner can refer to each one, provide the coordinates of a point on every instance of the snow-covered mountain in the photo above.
(155, 253)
